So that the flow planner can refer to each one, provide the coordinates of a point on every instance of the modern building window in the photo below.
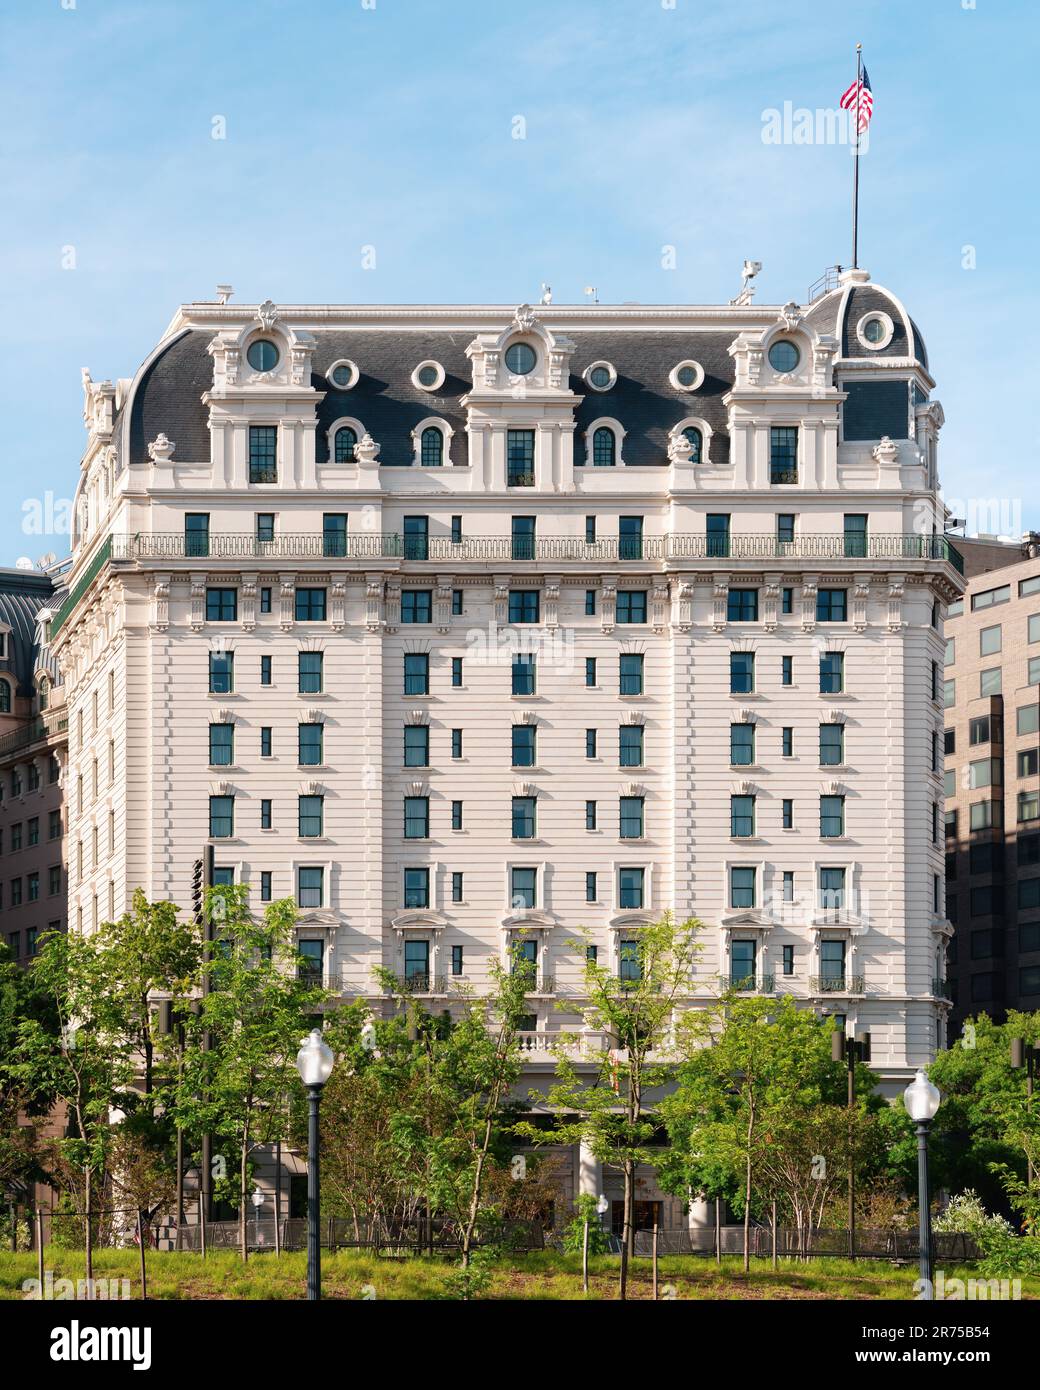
(631, 673)
(741, 887)
(741, 745)
(631, 606)
(990, 640)
(832, 605)
(524, 817)
(983, 772)
(1028, 806)
(221, 605)
(741, 816)
(717, 531)
(632, 817)
(311, 817)
(416, 888)
(631, 886)
(741, 672)
(416, 673)
(742, 606)
(783, 454)
(1028, 762)
(221, 745)
(310, 887)
(524, 605)
(832, 673)
(989, 598)
(417, 606)
(263, 453)
(221, 673)
(630, 745)
(520, 458)
(950, 651)
(416, 817)
(221, 817)
(416, 745)
(196, 534)
(978, 731)
(310, 745)
(949, 698)
(524, 674)
(1033, 671)
(524, 745)
(310, 605)
(832, 745)
(1033, 627)
(832, 817)
(989, 681)
(310, 672)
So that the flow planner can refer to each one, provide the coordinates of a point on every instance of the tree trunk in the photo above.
(89, 1242)
(243, 1234)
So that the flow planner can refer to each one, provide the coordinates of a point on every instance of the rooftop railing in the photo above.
(44, 727)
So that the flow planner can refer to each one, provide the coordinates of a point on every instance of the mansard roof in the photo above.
(839, 311)
(22, 594)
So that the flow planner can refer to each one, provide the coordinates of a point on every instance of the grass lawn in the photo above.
(544, 1275)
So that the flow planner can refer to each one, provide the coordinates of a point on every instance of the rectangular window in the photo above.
(456, 744)
(590, 530)
(417, 606)
(949, 694)
(590, 743)
(590, 887)
(742, 964)
(1033, 627)
(456, 897)
(265, 886)
(590, 672)
(1033, 671)
(631, 673)
(989, 598)
(783, 454)
(456, 815)
(196, 534)
(832, 889)
(785, 523)
(590, 815)
(221, 745)
(590, 603)
(311, 817)
(523, 884)
(630, 538)
(855, 535)
(786, 600)
(950, 651)
(524, 819)
(416, 887)
(949, 742)
(334, 534)
(787, 670)
(1028, 762)
(456, 530)
(630, 745)
(520, 458)
(221, 817)
(524, 674)
(787, 888)
(310, 887)
(310, 672)
(632, 811)
(787, 742)
(832, 817)
(631, 606)
(264, 528)
(457, 600)
(524, 605)
(221, 673)
(741, 816)
(990, 640)
(741, 887)
(631, 885)
(524, 744)
(310, 605)
(832, 745)
(417, 965)
(416, 745)
(832, 605)
(263, 453)
(456, 960)
(630, 968)
(832, 964)
(265, 741)
(989, 681)
(456, 672)
(523, 537)
(1028, 806)
(978, 731)
(265, 599)
(787, 814)
(741, 672)
(717, 525)
(983, 772)
(265, 815)
(310, 745)
(416, 673)
(417, 538)
(742, 606)
(788, 960)
(53, 825)
(416, 817)
(832, 673)
(741, 745)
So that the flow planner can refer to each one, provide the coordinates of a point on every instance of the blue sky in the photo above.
(390, 125)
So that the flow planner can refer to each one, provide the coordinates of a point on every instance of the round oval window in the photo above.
(342, 375)
(873, 330)
(686, 376)
(520, 359)
(600, 377)
(428, 375)
(783, 356)
(262, 355)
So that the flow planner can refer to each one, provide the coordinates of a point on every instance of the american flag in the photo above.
(860, 88)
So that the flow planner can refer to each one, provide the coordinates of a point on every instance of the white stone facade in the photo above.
(135, 644)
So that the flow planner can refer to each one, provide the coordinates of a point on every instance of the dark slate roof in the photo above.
(862, 300)
(22, 594)
(168, 399)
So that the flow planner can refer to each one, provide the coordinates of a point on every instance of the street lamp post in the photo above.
(1024, 1054)
(922, 1101)
(847, 1048)
(314, 1063)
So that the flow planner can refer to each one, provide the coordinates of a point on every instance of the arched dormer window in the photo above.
(344, 444)
(431, 447)
(43, 690)
(604, 448)
(5, 697)
(696, 442)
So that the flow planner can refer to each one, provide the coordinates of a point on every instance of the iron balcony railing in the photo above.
(941, 989)
(371, 545)
(415, 982)
(752, 984)
(836, 984)
(45, 727)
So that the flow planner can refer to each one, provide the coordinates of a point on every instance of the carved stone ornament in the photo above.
(790, 315)
(887, 452)
(523, 318)
(266, 314)
(161, 449)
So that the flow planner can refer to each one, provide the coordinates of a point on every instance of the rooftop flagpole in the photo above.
(855, 159)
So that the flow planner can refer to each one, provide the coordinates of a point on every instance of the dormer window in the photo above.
(428, 376)
(601, 376)
(343, 374)
(44, 690)
(604, 448)
(784, 356)
(5, 697)
(262, 355)
(695, 440)
(520, 359)
(686, 375)
(431, 447)
(345, 444)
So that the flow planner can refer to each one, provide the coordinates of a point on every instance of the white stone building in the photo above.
(310, 540)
